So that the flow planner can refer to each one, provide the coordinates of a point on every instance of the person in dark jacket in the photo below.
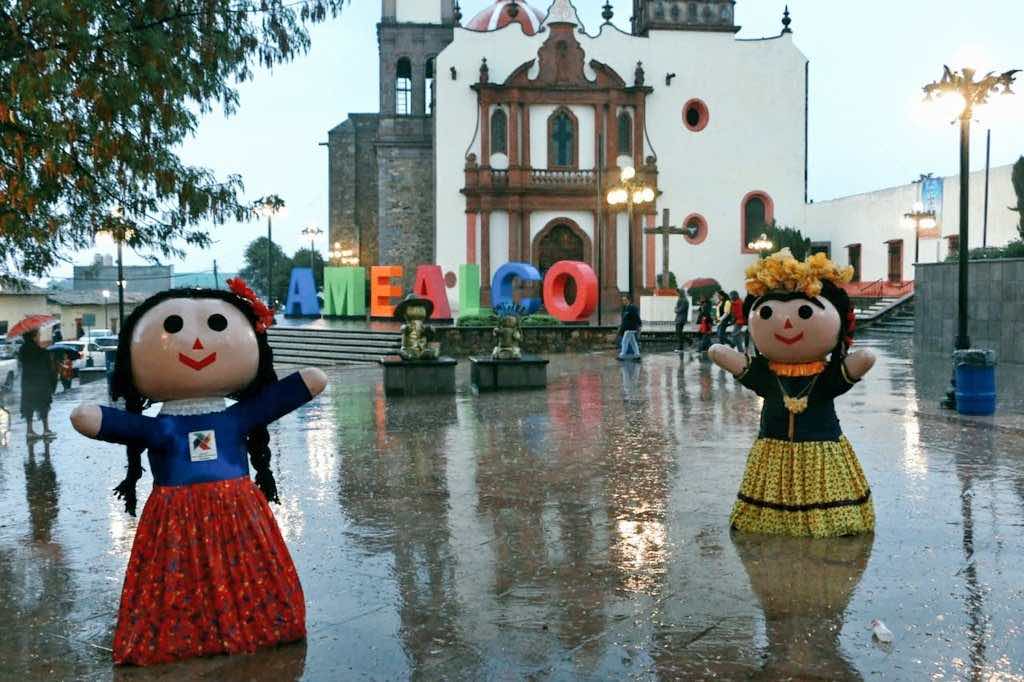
(38, 380)
(704, 324)
(629, 330)
(739, 330)
(682, 315)
(723, 314)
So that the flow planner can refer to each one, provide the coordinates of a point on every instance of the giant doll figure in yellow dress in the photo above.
(802, 475)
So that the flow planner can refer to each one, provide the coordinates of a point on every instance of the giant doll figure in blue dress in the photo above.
(209, 572)
(802, 476)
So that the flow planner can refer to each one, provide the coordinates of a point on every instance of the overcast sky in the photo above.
(869, 59)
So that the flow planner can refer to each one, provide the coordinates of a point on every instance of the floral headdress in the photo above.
(782, 272)
(264, 313)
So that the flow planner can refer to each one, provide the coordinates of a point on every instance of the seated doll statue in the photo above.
(509, 336)
(802, 475)
(416, 333)
(209, 572)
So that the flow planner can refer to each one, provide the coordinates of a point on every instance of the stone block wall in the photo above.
(995, 307)
(406, 200)
(353, 199)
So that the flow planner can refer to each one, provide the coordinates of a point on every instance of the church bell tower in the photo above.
(684, 15)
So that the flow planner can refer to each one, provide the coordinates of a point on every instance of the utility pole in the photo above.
(216, 280)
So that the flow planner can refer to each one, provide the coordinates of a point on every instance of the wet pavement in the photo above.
(575, 533)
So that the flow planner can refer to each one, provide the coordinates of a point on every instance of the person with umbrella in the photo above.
(38, 378)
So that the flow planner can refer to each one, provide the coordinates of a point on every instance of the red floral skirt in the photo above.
(209, 574)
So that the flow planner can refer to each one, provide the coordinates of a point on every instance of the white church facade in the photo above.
(499, 139)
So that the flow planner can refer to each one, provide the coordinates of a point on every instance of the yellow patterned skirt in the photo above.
(813, 488)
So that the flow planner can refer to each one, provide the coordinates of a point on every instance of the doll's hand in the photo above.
(728, 359)
(314, 379)
(87, 418)
(859, 363)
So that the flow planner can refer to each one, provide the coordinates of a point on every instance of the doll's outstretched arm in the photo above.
(87, 418)
(858, 363)
(113, 425)
(728, 359)
(315, 380)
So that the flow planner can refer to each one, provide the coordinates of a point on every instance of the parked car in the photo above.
(94, 334)
(106, 342)
(8, 373)
(92, 355)
(7, 350)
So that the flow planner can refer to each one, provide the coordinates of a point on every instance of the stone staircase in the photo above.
(893, 316)
(325, 347)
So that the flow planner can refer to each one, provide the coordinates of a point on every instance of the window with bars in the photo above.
(430, 86)
(562, 139)
(403, 87)
(625, 134)
(499, 132)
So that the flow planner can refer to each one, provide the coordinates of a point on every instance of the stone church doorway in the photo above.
(560, 240)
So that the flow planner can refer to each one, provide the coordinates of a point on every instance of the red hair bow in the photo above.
(264, 313)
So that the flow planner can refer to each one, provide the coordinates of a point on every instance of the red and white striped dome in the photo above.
(496, 16)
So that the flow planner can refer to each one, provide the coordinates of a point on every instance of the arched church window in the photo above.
(675, 11)
(691, 12)
(429, 89)
(625, 134)
(403, 87)
(562, 139)
(757, 212)
(499, 132)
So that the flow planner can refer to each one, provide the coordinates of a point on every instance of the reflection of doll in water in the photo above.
(804, 586)
(802, 475)
(209, 571)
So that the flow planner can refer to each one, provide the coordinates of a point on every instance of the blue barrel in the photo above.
(975, 389)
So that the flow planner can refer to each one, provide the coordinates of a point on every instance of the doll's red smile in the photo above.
(197, 364)
(791, 340)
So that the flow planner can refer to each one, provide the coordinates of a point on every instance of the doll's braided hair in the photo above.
(123, 386)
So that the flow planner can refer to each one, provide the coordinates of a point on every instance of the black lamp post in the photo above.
(631, 192)
(974, 93)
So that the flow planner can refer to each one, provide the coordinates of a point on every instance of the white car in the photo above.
(8, 373)
(91, 354)
(94, 334)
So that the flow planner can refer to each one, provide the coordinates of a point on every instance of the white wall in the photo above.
(873, 218)
(755, 93)
(499, 240)
(418, 11)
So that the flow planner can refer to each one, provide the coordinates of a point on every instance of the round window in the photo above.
(695, 115)
(696, 228)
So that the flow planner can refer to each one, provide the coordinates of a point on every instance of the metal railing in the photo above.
(562, 178)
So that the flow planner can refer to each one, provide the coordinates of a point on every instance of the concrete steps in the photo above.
(326, 347)
(876, 308)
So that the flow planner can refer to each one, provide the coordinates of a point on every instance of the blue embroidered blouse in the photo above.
(186, 449)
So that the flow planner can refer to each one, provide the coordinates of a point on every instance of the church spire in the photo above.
(563, 12)
(786, 21)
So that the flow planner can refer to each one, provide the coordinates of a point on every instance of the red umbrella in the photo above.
(29, 323)
(702, 282)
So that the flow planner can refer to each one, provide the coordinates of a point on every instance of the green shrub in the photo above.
(484, 319)
(539, 320)
(1014, 249)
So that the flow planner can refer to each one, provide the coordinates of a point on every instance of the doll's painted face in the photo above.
(798, 330)
(193, 348)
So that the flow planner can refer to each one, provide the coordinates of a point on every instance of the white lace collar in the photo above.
(191, 406)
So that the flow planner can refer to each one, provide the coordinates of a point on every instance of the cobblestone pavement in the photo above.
(575, 533)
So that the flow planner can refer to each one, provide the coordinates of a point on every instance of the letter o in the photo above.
(586, 291)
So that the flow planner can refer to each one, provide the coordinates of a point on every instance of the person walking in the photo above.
(723, 314)
(739, 330)
(704, 324)
(38, 381)
(629, 330)
(682, 315)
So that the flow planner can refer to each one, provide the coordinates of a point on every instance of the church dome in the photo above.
(497, 16)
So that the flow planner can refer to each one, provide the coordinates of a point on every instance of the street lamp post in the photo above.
(762, 245)
(630, 192)
(106, 315)
(920, 219)
(312, 232)
(269, 206)
(974, 93)
(118, 232)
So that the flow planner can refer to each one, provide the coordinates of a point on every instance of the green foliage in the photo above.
(1014, 249)
(255, 270)
(484, 319)
(540, 320)
(672, 282)
(791, 237)
(301, 260)
(489, 319)
(98, 98)
(1018, 186)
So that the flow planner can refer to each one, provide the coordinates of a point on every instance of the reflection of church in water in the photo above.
(498, 139)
